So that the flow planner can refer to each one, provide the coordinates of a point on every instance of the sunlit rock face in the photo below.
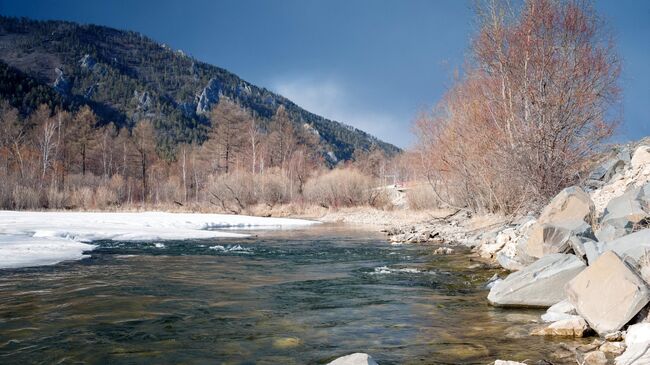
(209, 97)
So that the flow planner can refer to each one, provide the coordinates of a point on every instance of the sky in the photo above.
(374, 64)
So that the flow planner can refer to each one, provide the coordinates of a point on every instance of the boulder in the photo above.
(641, 157)
(571, 204)
(539, 284)
(637, 354)
(593, 250)
(563, 307)
(513, 255)
(592, 358)
(607, 169)
(608, 293)
(615, 336)
(624, 213)
(572, 327)
(358, 358)
(514, 263)
(569, 213)
(507, 362)
(633, 247)
(637, 333)
(615, 348)
(637, 341)
(560, 311)
(549, 238)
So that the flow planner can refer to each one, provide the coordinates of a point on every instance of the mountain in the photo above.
(125, 76)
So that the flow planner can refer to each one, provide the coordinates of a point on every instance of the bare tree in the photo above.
(83, 134)
(534, 105)
(225, 139)
(143, 139)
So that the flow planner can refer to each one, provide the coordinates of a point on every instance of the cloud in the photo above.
(330, 98)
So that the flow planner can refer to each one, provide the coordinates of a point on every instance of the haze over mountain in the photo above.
(125, 77)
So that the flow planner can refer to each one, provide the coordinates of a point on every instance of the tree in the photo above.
(534, 105)
(83, 134)
(144, 144)
(225, 139)
(12, 135)
(45, 138)
(254, 137)
(282, 138)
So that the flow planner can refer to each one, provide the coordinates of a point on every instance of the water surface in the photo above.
(284, 297)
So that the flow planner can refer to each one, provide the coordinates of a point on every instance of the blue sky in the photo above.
(370, 63)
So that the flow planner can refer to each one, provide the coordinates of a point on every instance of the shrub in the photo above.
(55, 198)
(422, 196)
(341, 188)
(25, 197)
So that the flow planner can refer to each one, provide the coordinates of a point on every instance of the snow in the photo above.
(46, 238)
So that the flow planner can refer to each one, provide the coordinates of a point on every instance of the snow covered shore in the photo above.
(46, 238)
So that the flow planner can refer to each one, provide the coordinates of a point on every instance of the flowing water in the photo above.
(282, 297)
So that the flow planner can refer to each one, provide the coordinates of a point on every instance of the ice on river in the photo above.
(46, 238)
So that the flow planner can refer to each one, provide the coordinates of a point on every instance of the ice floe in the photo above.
(46, 238)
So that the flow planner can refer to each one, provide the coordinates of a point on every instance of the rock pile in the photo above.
(587, 257)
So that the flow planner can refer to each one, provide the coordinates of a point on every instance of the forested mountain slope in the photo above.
(125, 77)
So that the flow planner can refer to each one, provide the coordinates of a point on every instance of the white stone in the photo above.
(540, 284)
(637, 333)
(358, 358)
(641, 157)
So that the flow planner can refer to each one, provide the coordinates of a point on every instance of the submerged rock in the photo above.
(539, 285)
(358, 358)
(615, 348)
(572, 327)
(592, 358)
(608, 293)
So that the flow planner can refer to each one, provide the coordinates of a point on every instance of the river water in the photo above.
(283, 297)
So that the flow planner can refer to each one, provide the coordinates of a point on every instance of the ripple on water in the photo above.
(283, 297)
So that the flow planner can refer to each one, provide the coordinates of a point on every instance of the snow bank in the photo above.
(22, 251)
(45, 238)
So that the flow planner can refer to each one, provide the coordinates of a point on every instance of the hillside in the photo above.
(125, 76)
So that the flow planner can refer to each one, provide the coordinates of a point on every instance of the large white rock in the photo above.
(358, 358)
(608, 294)
(508, 362)
(560, 311)
(624, 213)
(637, 354)
(540, 284)
(633, 247)
(570, 213)
(641, 157)
(637, 333)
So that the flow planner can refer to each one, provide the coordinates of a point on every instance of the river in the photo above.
(301, 296)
